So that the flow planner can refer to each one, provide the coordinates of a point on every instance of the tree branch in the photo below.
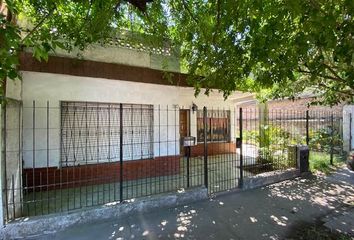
(189, 12)
(320, 75)
(316, 5)
(348, 92)
(39, 24)
(117, 6)
(329, 66)
(333, 72)
(87, 16)
(218, 14)
(8, 13)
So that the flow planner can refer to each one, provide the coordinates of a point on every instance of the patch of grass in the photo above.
(320, 161)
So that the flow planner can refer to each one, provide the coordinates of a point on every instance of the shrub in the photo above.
(273, 143)
(321, 139)
(275, 159)
(273, 136)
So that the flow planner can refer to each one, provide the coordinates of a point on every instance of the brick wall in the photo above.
(42, 179)
(213, 149)
(301, 104)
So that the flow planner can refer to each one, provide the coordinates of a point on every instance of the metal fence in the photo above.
(271, 136)
(69, 155)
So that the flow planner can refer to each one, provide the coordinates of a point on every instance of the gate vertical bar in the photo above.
(205, 125)
(241, 154)
(13, 196)
(350, 131)
(109, 150)
(188, 163)
(332, 136)
(34, 155)
(2, 138)
(307, 128)
(47, 151)
(20, 154)
(2, 157)
(5, 189)
(121, 152)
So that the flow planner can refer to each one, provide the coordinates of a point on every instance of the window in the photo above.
(218, 126)
(90, 132)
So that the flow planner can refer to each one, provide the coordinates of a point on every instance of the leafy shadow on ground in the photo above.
(313, 231)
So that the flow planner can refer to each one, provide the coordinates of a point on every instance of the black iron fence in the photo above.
(68, 155)
(270, 136)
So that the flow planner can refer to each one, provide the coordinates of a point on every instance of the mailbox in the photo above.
(188, 141)
(238, 142)
(303, 158)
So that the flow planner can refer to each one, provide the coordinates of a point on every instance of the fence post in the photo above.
(241, 154)
(1, 174)
(188, 163)
(263, 122)
(332, 136)
(307, 128)
(350, 132)
(121, 152)
(205, 126)
(4, 171)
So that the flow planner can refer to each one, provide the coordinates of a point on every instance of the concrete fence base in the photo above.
(267, 178)
(35, 226)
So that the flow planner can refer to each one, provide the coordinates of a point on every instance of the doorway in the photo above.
(184, 127)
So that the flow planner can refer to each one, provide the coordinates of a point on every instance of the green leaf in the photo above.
(12, 74)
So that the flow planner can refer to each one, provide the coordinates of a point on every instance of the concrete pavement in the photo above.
(270, 212)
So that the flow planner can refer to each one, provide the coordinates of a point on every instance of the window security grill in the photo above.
(90, 132)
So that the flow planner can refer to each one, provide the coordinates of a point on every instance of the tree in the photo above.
(46, 25)
(285, 46)
(275, 47)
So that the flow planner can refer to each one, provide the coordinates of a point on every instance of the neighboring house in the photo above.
(301, 103)
(301, 118)
(86, 97)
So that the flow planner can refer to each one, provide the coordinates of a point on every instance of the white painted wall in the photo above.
(43, 87)
(347, 110)
(12, 157)
(125, 56)
(14, 89)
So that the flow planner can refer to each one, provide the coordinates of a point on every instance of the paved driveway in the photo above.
(266, 213)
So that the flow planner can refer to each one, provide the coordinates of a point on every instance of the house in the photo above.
(79, 120)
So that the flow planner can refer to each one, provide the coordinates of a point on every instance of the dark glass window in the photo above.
(218, 126)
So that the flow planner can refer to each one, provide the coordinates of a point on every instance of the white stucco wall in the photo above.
(12, 156)
(347, 110)
(43, 87)
(14, 89)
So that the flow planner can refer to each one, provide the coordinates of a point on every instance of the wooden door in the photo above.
(184, 129)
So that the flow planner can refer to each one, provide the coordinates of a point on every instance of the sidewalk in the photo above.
(342, 220)
(271, 212)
